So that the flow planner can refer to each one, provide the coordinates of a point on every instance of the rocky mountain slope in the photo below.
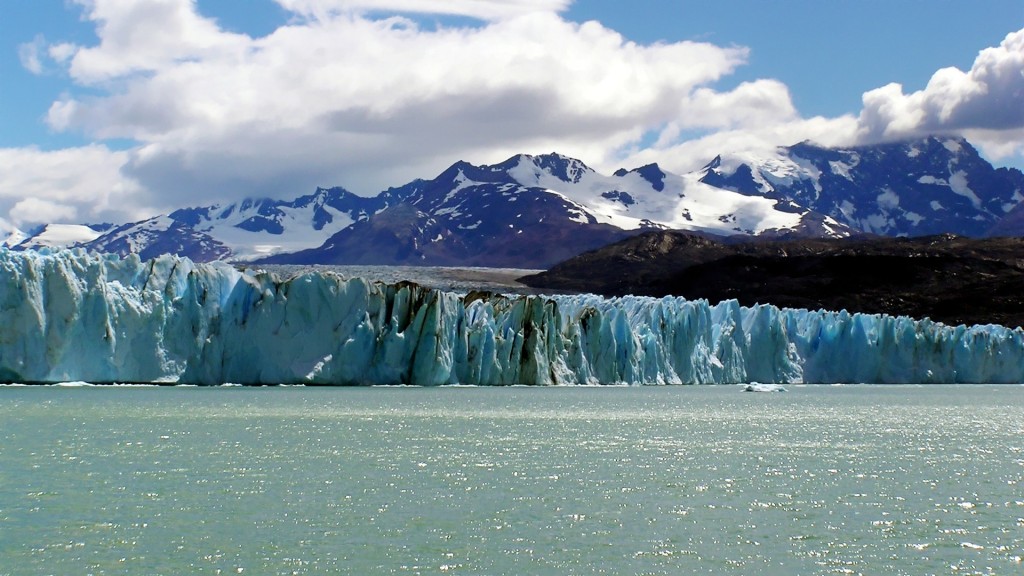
(245, 230)
(534, 211)
(919, 187)
(949, 279)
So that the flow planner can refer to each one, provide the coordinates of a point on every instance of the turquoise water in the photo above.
(677, 480)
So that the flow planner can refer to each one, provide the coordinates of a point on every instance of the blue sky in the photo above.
(111, 110)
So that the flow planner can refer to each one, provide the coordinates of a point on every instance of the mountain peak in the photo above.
(529, 170)
(653, 174)
(463, 171)
(715, 163)
(563, 167)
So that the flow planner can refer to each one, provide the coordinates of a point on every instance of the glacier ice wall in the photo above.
(69, 316)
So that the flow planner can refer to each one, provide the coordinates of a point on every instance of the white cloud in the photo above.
(749, 104)
(998, 144)
(39, 186)
(759, 139)
(985, 104)
(40, 210)
(483, 9)
(62, 52)
(147, 36)
(29, 54)
(988, 97)
(752, 120)
(362, 102)
(346, 94)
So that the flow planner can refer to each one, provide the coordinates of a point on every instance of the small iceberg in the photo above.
(758, 387)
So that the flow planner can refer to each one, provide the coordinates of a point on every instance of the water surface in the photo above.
(674, 480)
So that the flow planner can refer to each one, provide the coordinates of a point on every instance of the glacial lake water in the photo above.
(661, 480)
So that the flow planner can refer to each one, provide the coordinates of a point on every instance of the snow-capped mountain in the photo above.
(533, 211)
(645, 197)
(54, 236)
(927, 186)
(245, 230)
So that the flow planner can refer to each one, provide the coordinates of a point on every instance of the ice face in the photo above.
(73, 316)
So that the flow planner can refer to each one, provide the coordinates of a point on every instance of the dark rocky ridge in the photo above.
(946, 278)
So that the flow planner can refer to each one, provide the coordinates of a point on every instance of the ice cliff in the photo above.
(69, 315)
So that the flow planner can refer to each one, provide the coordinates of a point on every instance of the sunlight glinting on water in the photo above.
(822, 480)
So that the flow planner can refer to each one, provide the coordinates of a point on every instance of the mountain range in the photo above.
(534, 211)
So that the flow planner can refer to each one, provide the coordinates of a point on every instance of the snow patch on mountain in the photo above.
(842, 169)
(648, 197)
(60, 235)
(958, 184)
(245, 230)
(719, 211)
(295, 232)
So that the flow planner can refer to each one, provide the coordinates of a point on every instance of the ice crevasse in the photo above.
(73, 316)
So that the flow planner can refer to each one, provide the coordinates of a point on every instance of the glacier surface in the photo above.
(74, 316)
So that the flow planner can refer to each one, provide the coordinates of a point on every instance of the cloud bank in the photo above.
(359, 93)
(76, 184)
(986, 101)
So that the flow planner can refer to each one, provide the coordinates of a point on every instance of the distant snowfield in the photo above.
(251, 245)
(682, 202)
(57, 236)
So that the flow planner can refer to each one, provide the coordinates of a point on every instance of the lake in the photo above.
(651, 480)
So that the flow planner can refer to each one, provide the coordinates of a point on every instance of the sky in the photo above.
(116, 110)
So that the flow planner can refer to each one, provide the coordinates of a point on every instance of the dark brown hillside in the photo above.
(946, 278)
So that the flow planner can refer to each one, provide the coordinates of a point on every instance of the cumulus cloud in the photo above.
(147, 36)
(336, 99)
(985, 104)
(988, 99)
(40, 210)
(353, 93)
(60, 186)
(752, 120)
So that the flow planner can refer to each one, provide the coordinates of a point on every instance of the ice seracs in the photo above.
(72, 316)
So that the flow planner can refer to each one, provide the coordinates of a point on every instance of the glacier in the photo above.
(70, 315)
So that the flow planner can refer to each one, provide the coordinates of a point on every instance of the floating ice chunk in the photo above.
(758, 387)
